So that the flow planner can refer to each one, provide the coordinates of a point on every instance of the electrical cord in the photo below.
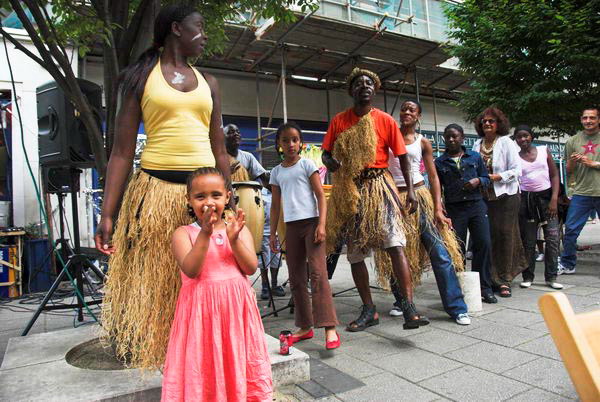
(35, 185)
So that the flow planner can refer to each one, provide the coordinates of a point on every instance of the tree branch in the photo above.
(131, 33)
(22, 48)
(51, 42)
(48, 62)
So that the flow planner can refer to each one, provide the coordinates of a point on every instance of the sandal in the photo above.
(365, 319)
(505, 291)
(412, 319)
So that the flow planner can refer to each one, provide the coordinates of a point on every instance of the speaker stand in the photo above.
(75, 263)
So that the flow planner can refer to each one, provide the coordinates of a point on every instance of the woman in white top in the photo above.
(430, 235)
(501, 157)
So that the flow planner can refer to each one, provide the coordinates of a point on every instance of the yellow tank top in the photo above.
(177, 124)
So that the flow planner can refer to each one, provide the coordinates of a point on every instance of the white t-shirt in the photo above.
(297, 196)
(251, 164)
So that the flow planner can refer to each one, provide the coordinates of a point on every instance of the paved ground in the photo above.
(505, 354)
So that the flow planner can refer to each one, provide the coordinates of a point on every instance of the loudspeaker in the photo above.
(58, 180)
(61, 134)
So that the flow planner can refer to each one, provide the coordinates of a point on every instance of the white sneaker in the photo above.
(554, 285)
(525, 284)
(396, 312)
(463, 319)
(562, 270)
(540, 257)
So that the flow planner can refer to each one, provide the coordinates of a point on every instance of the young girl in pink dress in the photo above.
(217, 349)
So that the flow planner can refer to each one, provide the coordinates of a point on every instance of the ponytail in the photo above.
(133, 78)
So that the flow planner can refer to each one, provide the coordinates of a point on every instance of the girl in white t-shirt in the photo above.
(296, 182)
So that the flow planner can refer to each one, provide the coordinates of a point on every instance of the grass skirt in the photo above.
(417, 255)
(143, 278)
(378, 213)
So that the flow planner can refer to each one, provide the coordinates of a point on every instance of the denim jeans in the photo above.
(443, 269)
(472, 215)
(577, 215)
(529, 237)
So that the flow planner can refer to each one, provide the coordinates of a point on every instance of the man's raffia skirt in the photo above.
(143, 278)
(416, 253)
(363, 213)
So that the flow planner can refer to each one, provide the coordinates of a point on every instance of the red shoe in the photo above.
(308, 335)
(330, 345)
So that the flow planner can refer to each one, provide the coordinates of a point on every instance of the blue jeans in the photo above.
(472, 215)
(443, 269)
(577, 215)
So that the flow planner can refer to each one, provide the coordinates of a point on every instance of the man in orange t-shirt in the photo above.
(364, 209)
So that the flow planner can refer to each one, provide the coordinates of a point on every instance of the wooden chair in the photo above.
(577, 338)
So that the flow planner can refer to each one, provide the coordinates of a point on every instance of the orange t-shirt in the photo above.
(388, 134)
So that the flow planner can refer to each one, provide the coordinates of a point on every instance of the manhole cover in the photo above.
(93, 355)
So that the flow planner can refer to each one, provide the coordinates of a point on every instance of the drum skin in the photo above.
(249, 199)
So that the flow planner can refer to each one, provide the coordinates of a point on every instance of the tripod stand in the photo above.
(271, 304)
(75, 261)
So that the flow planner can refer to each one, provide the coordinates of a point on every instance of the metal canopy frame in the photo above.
(326, 50)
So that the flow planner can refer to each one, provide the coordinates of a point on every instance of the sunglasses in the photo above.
(488, 121)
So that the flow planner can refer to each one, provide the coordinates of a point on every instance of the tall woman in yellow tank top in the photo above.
(181, 111)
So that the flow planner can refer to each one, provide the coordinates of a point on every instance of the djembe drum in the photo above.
(248, 197)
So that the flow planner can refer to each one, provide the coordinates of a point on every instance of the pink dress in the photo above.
(217, 348)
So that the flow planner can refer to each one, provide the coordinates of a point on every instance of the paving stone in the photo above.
(472, 384)
(488, 308)
(581, 279)
(543, 346)
(448, 324)
(582, 291)
(416, 365)
(332, 379)
(392, 329)
(440, 341)
(514, 317)
(370, 350)
(348, 364)
(491, 357)
(547, 374)
(314, 389)
(538, 395)
(503, 334)
(540, 326)
(385, 387)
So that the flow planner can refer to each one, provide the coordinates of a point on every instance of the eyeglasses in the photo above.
(488, 121)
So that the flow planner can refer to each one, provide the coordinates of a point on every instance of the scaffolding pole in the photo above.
(385, 99)
(327, 100)
(275, 101)
(258, 130)
(283, 89)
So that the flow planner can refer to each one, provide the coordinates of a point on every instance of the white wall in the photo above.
(28, 75)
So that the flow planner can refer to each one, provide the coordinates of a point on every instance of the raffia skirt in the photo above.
(143, 279)
(508, 255)
(416, 254)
